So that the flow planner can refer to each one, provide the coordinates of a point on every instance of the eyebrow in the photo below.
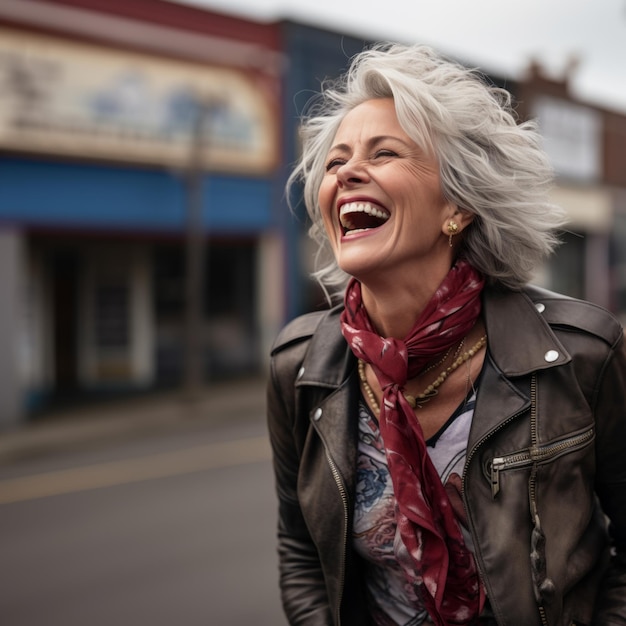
(373, 141)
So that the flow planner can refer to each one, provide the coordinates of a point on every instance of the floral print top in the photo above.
(393, 601)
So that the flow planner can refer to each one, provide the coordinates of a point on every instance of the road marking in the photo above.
(162, 465)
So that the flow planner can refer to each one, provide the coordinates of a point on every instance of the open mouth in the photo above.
(359, 216)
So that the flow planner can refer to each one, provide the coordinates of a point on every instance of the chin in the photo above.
(362, 256)
(357, 267)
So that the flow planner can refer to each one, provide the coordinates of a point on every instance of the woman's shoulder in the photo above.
(302, 328)
(565, 311)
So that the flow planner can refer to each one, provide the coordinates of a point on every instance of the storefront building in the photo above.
(118, 123)
(586, 144)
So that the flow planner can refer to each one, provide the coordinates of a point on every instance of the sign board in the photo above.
(62, 97)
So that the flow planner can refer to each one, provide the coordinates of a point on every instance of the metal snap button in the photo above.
(540, 306)
(317, 414)
(551, 356)
(300, 373)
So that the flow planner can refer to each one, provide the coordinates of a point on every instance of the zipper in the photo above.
(468, 459)
(470, 456)
(532, 483)
(344, 500)
(537, 533)
(535, 454)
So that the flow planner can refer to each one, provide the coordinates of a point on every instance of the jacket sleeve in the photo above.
(303, 590)
(611, 483)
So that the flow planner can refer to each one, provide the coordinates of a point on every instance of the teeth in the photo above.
(360, 207)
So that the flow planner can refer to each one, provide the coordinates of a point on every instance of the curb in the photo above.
(157, 412)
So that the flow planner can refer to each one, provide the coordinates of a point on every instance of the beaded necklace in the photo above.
(443, 358)
(432, 389)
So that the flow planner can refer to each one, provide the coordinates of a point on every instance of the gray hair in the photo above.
(490, 165)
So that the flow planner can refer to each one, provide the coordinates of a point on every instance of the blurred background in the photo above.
(146, 241)
(148, 258)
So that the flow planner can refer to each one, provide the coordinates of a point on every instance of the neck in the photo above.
(393, 308)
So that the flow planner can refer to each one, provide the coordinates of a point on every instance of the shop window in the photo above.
(169, 281)
(112, 316)
(228, 337)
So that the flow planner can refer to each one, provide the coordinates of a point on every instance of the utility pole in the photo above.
(195, 253)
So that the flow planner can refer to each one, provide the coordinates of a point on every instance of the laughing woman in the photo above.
(449, 440)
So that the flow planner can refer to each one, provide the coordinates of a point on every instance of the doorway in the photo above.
(65, 276)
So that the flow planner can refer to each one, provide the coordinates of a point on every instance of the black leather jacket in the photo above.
(546, 454)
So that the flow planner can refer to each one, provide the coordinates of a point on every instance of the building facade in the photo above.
(125, 130)
(587, 146)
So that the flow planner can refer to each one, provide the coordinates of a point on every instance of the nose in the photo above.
(352, 172)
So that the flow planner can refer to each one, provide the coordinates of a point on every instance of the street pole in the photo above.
(194, 371)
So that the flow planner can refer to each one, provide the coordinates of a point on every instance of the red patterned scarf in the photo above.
(447, 577)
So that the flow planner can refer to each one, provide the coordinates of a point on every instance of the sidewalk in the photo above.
(115, 419)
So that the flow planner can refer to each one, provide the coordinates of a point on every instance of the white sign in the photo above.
(69, 98)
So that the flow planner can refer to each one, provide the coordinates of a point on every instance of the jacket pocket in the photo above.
(542, 453)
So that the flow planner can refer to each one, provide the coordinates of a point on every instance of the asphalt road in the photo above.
(159, 530)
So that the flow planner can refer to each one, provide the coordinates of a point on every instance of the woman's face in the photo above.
(381, 199)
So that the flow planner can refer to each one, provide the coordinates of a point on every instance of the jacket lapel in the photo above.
(520, 342)
(519, 337)
(329, 373)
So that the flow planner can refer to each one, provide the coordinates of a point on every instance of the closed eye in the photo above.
(338, 162)
(334, 163)
(385, 153)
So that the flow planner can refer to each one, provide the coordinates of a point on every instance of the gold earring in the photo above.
(453, 229)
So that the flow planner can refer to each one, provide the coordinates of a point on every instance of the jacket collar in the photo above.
(328, 359)
(520, 342)
(519, 338)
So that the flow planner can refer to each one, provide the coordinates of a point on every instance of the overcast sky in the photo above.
(499, 36)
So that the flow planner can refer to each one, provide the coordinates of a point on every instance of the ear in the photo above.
(464, 218)
(461, 217)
